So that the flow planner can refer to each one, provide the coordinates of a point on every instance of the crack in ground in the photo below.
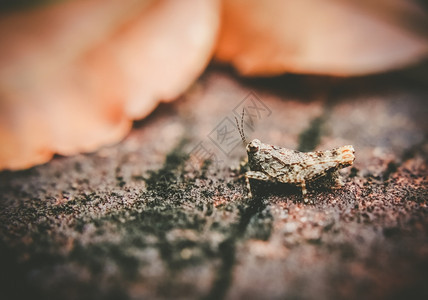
(162, 183)
(228, 249)
(170, 187)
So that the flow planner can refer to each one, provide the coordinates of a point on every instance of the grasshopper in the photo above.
(276, 164)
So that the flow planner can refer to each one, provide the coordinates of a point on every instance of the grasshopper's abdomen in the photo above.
(344, 156)
(321, 162)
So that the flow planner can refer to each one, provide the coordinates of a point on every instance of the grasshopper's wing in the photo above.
(283, 164)
(299, 166)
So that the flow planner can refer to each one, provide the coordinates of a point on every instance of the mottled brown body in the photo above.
(272, 163)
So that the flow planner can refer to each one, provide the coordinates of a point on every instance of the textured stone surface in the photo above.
(148, 218)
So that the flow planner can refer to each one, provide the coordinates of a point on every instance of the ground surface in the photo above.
(152, 218)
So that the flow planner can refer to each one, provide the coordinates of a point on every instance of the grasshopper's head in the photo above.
(253, 146)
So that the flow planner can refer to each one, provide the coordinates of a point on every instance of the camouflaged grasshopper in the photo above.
(276, 164)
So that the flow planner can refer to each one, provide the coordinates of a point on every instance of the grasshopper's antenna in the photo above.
(241, 128)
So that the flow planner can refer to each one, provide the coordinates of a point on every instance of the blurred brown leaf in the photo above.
(330, 37)
(73, 75)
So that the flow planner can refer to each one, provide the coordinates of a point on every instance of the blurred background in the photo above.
(75, 74)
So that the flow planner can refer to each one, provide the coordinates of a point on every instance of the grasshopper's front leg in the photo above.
(255, 175)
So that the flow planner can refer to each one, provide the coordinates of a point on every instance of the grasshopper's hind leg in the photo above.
(338, 183)
(254, 175)
(305, 192)
(331, 181)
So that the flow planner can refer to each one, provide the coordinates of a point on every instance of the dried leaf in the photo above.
(321, 37)
(73, 75)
